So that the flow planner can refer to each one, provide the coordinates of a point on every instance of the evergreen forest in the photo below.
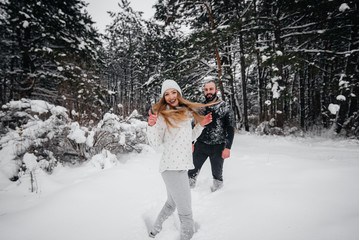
(283, 65)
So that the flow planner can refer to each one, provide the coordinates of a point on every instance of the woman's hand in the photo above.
(152, 118)
(206, 120)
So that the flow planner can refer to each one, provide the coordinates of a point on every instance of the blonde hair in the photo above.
(179, 114)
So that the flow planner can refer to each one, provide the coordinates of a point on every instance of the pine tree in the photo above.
(50, 52)
(129, 55)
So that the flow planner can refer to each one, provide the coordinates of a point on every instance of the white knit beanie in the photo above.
(168, 84)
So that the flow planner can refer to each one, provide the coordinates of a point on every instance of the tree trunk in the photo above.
(302, 98)
(244, 83)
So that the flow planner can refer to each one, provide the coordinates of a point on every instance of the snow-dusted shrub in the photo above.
(263, 128)
(104, 160)
(33, 126)
(270, 128)
(118, 136)
(294, 131)
(111, 133)
(351, 126)
(47, 132)
(76, 140)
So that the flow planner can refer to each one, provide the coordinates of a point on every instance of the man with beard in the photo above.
(216, 139)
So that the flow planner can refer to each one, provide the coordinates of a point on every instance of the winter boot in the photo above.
(151, 235)
(187, 226)
(217, 184)
(192, 182)
(166, 211)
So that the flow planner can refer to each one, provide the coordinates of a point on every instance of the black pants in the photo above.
(201, 152)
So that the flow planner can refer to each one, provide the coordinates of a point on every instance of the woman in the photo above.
(171, 125)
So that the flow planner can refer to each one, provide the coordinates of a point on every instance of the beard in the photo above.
(210, 97)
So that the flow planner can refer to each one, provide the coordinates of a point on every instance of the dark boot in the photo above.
(192, 182)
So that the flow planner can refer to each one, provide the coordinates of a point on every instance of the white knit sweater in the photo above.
(177, 142)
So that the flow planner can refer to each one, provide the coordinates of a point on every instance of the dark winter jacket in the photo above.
(221, 129)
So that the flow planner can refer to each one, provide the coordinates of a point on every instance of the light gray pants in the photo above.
(178, 195)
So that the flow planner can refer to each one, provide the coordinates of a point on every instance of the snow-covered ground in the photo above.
(276, 188)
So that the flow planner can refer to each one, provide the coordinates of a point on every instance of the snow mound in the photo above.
(104, 160)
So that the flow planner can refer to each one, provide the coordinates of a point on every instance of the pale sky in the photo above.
(98, 10)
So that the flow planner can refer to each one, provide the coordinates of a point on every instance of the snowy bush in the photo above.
(119, 136)
(103, 160)
(110, 134)
(46, 131)
(351, 127)
(270, 128)
(32, 126)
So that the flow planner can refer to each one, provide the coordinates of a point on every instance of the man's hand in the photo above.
(152, 118)
(206, 120)
(226, 153)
